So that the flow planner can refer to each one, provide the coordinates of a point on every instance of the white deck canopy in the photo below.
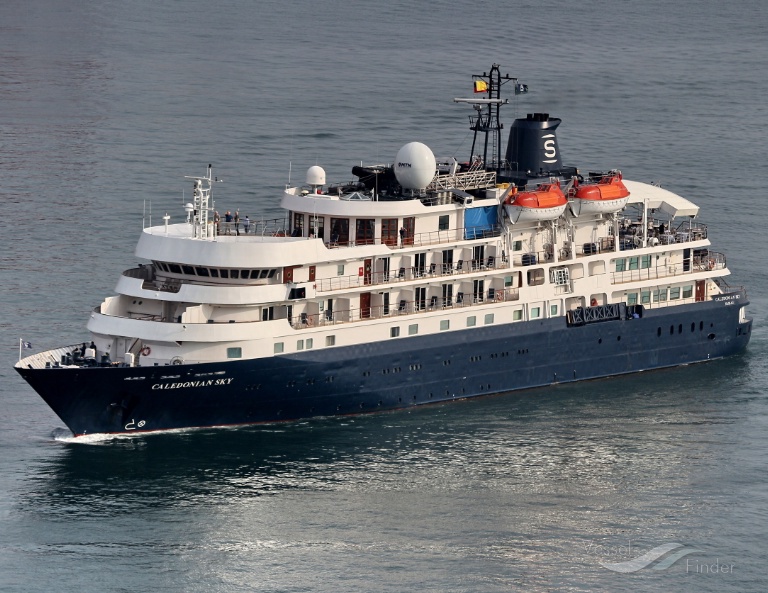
(660, 199)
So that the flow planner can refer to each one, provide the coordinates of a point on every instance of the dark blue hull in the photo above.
(390, 375)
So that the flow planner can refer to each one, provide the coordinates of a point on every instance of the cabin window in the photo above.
(340, 270)
(688, 291)
(235, 352)
(420, 302)
(267, 313)
(517, 246)
(535, 277)
(488, 318)
(188, 270)
(445, 324)
(413, 329)
(478, 256)
(214, 273)
(419, 264)
(202, 271)
(632, 298)
(394, 332)
(659, 296)
(478, 291)
(317, 226)
(645, 261)
(234, 274)
(310, 342)
(299, 344)
(175, 269)
(674, 293)
(340, 231)
(553, 310)
(298, 225)
(279, 347)
(634, 263)
(330, 340)
(442, 224)
(364, 231)
(447, 261)
(621, 265)
(535, 312)
(389, 231)
(517, 315)
(471, 321)
(645, 297)
(447, 295)
(409, 225)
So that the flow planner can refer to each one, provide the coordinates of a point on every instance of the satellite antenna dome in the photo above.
(315, 175)
(415, 166)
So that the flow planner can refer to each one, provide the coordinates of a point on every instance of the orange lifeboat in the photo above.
(607, 195)
(546, 202)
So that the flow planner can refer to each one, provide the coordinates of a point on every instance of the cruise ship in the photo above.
(418, 281)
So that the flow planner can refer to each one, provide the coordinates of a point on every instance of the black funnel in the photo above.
(533, 145)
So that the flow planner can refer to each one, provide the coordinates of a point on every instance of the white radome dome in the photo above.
(415, 166)
(315, 175)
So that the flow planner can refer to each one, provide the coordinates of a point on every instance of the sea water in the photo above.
(107, 105)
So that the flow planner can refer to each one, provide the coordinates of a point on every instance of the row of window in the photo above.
(364, 229)
(680, 328)
(205, 272)
(641, 262)
(661, 295)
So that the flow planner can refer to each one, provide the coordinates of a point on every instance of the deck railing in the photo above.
(403, 307)
(405, 274)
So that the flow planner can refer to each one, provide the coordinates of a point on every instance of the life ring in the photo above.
(593, 303)
(177, 360)
(499, 296)
(146, 351)
(711, 264)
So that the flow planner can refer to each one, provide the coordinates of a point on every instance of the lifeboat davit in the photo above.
(606, 196)
(546, 202)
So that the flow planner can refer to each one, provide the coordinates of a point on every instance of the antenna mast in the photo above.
(487, 119)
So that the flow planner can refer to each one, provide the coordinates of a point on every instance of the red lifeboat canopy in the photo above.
(609, 187)
(546, 195)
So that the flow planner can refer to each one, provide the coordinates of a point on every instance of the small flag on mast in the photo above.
(520, 88)
(481, 86)
(23, 346)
